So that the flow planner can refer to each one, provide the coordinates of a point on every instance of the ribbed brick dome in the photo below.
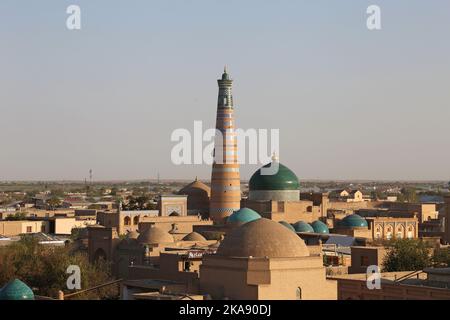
(262, 238)
(194, 236)
(155, 235)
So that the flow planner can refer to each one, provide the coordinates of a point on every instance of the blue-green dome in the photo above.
(287, 225)
(16, 290)
(354, 221)
(284, 179)
(302, 226)
(243, 215)
(320, 227)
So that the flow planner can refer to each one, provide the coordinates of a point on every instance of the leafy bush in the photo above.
(43, 268)
(407, 255)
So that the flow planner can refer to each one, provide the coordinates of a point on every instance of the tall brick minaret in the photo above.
(225, 178)
(447, 218)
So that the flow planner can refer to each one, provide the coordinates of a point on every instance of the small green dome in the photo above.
(354, 221)
(302, 226)
(16, 290)
(284, 179)
(243, 215)
(287, 225)
(320, 227)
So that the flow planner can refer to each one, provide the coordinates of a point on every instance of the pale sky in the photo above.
(350, 103)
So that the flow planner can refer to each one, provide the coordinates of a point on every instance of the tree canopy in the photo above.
(441, 258)
(43, 268)
(407, 255)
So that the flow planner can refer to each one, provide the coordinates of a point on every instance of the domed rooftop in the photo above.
(302, 226)
(354, 221)
(194, 188)
(194, 236)
(284, 179)
(16, 290)
(155, 235)
(320, 227)
(262, 238)
(287, 225)
(243, 215)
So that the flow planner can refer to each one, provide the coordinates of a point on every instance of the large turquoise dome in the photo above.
(302, 226)
(320, 227)
(16, 290)
(354, 221)
(243, 215)
(284, 179)
(287, 225)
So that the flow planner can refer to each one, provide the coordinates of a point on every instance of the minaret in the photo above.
(225, 178)
(447, 219)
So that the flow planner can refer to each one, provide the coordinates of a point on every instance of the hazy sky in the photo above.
(350, 103)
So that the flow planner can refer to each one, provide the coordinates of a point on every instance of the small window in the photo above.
(29, 229)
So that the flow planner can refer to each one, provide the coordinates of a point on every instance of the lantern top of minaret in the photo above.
(225, 75)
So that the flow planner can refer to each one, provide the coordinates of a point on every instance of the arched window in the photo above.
(136, 220)
(378, 233)
(410, 232)
(299, 293)
(389, 233)
(127, 221)
(400, 232)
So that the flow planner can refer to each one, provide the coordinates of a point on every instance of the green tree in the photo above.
(407, 255)
(441, 258)
(408, 194)
(57, 193)
(54, 202)
(113, 191)
(43, 268)
(17, 216)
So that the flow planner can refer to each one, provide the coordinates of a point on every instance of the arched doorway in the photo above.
(99, 254)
